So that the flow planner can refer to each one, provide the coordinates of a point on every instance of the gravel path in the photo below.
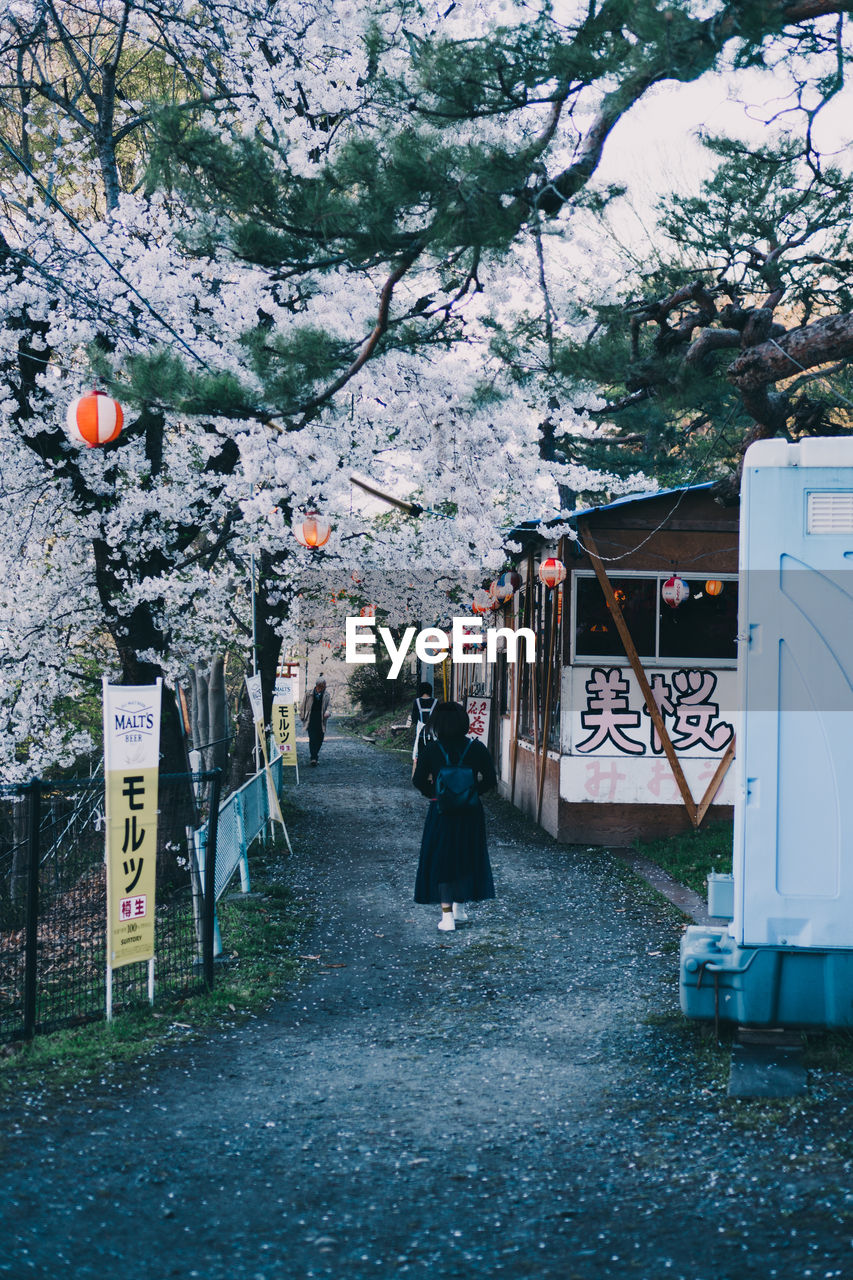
(518, 1098)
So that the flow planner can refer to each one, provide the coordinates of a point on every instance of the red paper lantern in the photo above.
(312, 530)
(713, 587)
(368, 611)
(674, 591)
(552, 572)
(94, 419)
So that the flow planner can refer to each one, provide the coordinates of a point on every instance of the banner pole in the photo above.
(109, 992)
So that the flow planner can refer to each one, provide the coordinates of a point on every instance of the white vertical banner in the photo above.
(131, 778)
(256, 698)
(479, 714)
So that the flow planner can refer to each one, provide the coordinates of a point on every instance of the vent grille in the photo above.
(830, 513)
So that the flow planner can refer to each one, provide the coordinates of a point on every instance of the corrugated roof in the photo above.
(531, 526)
(641, 497)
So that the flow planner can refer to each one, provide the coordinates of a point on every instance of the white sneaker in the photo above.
(446, 923)
(460, 915)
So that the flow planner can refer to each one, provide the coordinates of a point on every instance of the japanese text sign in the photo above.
(284, 718)
(479, 713)
(131, 756)
(610, 716)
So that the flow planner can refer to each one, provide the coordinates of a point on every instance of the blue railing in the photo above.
(242, 818)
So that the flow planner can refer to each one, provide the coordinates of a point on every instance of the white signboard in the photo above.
(286, 690)
(479, 713)
(615, 755)
(609, 715)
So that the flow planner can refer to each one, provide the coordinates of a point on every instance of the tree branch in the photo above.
(795, 351)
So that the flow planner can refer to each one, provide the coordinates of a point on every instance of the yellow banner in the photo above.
(131, 864)
(131, 753)
(284, 731)
(284, 719)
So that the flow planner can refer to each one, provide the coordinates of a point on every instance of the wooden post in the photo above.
(518, 675)
(546, 726)
(637, 667)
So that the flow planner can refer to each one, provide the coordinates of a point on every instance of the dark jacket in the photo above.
(422, 708)
(431, 759)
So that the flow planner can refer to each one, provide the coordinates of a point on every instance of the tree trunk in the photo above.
(217, 714)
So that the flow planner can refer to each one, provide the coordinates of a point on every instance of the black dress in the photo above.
(454, 862)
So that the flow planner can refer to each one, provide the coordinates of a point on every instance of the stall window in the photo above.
(595, 631)
(702, 628)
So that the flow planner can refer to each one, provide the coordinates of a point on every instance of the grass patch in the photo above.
(829, 1050)
(377, 725)
(689, 857)
(259, 937)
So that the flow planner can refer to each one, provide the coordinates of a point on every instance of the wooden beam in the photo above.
(637, 667)
(714, 785)
(525, 612)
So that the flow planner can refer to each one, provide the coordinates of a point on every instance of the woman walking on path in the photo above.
(454, 863)
(422, 708)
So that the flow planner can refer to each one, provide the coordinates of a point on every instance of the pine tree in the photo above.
(745, 332)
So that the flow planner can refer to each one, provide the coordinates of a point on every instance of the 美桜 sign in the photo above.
(131, 771)
(615, 754)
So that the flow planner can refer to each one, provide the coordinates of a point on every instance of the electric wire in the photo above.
(69, 217)
(682, 495)
(803, 369)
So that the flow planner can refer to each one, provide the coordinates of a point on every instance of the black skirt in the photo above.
(454, 862)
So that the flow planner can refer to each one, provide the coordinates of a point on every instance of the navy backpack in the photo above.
(455, 785)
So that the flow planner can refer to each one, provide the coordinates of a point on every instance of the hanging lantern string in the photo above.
(117, 271)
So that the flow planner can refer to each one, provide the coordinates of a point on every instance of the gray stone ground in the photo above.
(519, 1098)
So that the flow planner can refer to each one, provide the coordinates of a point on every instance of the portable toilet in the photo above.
(786, 959)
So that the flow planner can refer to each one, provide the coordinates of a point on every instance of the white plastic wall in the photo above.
(793, 846)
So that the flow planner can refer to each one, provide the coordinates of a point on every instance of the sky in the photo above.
(655, 149)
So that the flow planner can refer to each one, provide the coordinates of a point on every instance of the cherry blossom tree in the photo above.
(297, 241)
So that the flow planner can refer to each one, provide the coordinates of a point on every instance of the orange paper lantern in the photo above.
(312, 530)
(94, 419)
(713, 587)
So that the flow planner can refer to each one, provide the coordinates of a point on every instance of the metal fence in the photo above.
(242, 818)
(53, 902)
